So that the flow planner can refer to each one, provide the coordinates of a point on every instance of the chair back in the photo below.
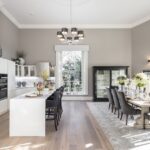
(115, 98)
(122, 101)
(56, 100)
(109, 96)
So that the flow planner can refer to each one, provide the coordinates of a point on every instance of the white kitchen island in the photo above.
(27, 115)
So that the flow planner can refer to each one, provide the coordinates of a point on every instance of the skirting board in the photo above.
(78, 98)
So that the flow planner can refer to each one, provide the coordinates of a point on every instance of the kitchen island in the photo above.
(27, 114)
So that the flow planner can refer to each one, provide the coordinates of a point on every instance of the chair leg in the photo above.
(126, 119)
(115, 111)
(118, 113)
(109, 106)
(121, 115)
(144, 122)
(112, 108)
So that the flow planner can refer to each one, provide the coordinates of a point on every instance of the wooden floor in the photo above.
(78, 130)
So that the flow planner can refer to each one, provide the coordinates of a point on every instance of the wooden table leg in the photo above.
(140, 120)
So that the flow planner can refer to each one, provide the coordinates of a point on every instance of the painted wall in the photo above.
(140, 47)
(107, 47)
(8, 37)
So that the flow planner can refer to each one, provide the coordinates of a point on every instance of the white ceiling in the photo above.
(85, 13)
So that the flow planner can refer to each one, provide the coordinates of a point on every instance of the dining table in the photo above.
(144, 105)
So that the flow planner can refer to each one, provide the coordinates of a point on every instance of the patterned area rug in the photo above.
(121, 137)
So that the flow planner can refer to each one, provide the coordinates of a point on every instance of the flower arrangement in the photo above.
(45, 75)
(40, 87)
(121, 80)
(140, 80)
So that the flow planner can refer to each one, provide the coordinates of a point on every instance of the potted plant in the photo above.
(121, 81)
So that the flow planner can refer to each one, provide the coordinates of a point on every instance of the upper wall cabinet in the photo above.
(25, 70)
(3, 66)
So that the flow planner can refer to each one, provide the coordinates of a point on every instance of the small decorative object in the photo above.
(127, 85)
(20, 57)
(40, 87)
(45, 76)
(121, 81)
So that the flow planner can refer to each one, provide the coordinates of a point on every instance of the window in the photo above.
(72, 68)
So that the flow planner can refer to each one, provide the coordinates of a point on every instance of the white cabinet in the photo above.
(25, 70)
(3, 66)
(11, 79)
(7, 67)
(42, 67)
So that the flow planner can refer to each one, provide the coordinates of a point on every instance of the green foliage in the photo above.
(121, 80)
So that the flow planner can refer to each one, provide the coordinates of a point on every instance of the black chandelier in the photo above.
(72, 35)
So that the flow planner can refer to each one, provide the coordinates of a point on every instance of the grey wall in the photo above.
(8, 37)
(140, 47)
(107, 47)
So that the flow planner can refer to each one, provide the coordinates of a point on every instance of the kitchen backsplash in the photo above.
(24, 82)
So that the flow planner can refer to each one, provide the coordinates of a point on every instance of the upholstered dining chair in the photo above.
(110, 99)
(116, 101)
(125, 107)
(146, 116)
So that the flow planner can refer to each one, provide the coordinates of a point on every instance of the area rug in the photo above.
(121, 137)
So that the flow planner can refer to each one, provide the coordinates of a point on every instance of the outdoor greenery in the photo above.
(71, 71)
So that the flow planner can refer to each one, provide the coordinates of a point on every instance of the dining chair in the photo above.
(146, 116)
(110, 99)
(116, 101)
(125, 107)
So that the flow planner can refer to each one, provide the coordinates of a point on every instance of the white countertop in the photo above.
(44, 95)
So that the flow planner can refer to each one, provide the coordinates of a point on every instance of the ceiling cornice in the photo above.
(8, 15)
(56, 26)
(86, 26)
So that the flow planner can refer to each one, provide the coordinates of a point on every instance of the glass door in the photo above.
(115, 74)
(102, 82)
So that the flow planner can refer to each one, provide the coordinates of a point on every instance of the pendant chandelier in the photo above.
(72, 35)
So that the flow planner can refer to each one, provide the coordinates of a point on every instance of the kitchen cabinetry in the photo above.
(106, 77)
(3, 66)
(7, 67)
(43, 67)
(25, 70)
(11, 79)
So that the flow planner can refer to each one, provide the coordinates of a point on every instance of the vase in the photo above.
(21, 61)
(121, 88)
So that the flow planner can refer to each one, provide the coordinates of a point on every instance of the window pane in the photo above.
(71, 72)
